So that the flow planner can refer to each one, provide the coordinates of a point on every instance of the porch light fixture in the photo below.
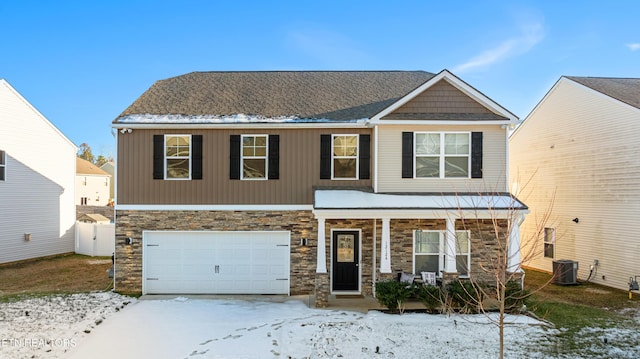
(304, 241)
(576, 219)
(128, 241)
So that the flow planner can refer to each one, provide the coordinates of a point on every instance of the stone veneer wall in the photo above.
(484, 245)
(131, 223)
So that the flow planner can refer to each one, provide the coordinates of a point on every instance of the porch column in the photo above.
(513, 261)
(321, 265)
(450, 246)
(385, 247)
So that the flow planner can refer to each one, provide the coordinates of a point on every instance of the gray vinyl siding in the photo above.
(581, 147)
(299, 170)
(37, 195)
(390, 165)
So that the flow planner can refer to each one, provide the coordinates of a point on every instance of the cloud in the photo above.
(634, 46)
(530, 36)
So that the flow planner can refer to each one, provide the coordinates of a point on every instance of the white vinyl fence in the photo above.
(95, 239)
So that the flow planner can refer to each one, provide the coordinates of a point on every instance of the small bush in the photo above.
(431, 296)
(465, 295)
(392, 294)
(515, 297)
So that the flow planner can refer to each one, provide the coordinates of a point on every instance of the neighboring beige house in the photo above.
(110, 168)
(37, 165)
(310, 182)
(92, 184)
(577, 154)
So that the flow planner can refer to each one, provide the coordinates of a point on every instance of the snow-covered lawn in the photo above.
(102, 325)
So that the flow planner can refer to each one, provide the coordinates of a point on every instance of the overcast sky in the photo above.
(81, 63)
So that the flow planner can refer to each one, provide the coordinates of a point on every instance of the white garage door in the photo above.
(216, 262)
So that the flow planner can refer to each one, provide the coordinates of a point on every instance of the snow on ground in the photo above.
(56, 327)
(47, 327)
(102, 325)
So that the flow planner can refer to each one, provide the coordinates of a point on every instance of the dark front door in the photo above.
(346, 254)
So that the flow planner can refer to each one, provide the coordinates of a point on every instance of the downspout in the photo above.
(115, 201)
(375, 262)
(375, 159)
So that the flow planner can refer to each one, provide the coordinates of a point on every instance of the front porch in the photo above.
(364, 238)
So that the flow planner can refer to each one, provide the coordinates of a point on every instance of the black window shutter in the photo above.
(158, 157)
(364, 154)
(274, 157)
(196, 156)
(476, 154)
(407, 155)
(325, 156)
(234, 158)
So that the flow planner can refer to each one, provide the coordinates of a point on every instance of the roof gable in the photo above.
(37, 113)
(328, 95)
(445, 97)
(626, 90)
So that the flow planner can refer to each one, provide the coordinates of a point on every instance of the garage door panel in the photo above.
(216, 262)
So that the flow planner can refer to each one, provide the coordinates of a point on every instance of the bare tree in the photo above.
(491, 284)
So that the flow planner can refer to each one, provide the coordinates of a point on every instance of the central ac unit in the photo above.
(565, 272)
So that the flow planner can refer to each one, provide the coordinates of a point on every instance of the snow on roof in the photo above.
(228, 119)
(353, 199)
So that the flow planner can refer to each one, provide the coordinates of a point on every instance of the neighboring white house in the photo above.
(92, 184)
(110, 168)
(37, 169)
(577, 155)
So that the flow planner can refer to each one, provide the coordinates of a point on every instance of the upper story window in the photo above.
(442, 155)
(254, 156)
(344, 159)
(345, 156)
(549, 242)
(3, 165)
(177, 156)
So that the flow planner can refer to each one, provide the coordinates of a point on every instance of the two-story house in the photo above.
(93, 184)
(575, 160)
(309, 182)
(37, 169)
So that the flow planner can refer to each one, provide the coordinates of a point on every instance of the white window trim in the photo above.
(3, 164)
(441, 251)
(265, 157)
(441, 156)
(552, 242)
(178, 157)
(357, 156)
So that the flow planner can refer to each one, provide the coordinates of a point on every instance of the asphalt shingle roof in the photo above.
(330, 95)
(84, 167)
(626, 90)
